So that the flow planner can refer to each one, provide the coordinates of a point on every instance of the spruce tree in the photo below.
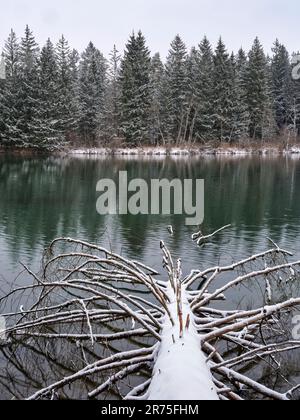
(257, 90)
(2, 68)
(192, 103)
(157, 100)
(204, 92)
(223, 94)
(67, 105)
(2, 92)
(270, 128)
(295, 85)
(135, 90)
(28, 88)
(241, 61)
(45, 123)
(92, 85)
(175, 90)
(281, 85)
(10, 134)
(74, 66)
(240, 117)
(111, 129)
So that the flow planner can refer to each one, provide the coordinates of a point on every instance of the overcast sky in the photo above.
(106, 22)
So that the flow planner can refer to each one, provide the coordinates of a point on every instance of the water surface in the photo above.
(45, 198)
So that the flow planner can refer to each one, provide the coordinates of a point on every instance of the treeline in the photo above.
(54, 96)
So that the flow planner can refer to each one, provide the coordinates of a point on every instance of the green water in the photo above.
(45, 198)
(41, 199)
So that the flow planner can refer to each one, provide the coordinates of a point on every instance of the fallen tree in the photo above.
(166, 333)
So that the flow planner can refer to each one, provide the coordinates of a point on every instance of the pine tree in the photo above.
(45, 123)
(257, 90)
(241, 116)
(223, 93)
(204, 92)
(241, 61)
(270, 128)
(175, 89)
(2, 68)
(157, 101)
(281, 85)
(192, 65)
(67, 106)
(28, 88)
(92, 85)
(111, 129)
(10, 134)
(2, 93)
(295, 85)
(74, 66)
(135, 90)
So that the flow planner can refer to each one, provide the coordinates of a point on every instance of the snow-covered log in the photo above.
(181, 371)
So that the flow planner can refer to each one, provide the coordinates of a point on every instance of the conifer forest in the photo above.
(53, 95)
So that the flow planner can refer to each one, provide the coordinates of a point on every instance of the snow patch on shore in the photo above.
(183, 152)
(147, 151)
(294, 150)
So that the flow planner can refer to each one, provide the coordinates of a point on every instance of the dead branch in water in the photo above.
(201, 239)
(91, 298)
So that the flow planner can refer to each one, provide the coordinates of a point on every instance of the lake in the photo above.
(50, 197)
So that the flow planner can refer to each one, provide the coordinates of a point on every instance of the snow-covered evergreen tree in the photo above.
(111, 128)
(192, 103)
(2, 68)
(10, 134)
(74, 65)
(27, 88)
(223, 94)
(256, 83)
(2, 91)
(67, 105)
(270, 128)
(241, 116)
(135, 90)
(282, 85)
(204, 92)
(176, 90)
(46, 121)
(295, 85)
(157, 99)
(241, 61)
(92, 86)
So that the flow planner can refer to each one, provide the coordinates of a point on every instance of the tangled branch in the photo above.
(130, 324)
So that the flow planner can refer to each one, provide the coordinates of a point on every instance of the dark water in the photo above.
(41, 199)
(45, 198)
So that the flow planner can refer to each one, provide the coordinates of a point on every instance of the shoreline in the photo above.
(148, 151)
(186, 152)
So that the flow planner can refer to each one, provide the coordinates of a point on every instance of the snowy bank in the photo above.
(186, 152)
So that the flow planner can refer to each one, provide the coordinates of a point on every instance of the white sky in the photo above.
(106, 22)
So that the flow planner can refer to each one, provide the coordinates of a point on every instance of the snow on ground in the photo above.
(181, 152)
(181, 372)
(294, 150)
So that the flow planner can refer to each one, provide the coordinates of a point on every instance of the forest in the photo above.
(54, 97)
